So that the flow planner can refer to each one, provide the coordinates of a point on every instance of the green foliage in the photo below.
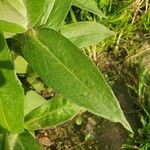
(54, 13)
(50, 48)
(11, 93)
(146, 20)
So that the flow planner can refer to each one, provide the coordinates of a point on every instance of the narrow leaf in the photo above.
(58, 14)
(66, 69)
(35, 9)
(89, 5)
(11, 93)
(22, 141)
(84, 34)
(45, 15)
(12, 16)
(56, 111)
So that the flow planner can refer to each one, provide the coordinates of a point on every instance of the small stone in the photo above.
(45, 141)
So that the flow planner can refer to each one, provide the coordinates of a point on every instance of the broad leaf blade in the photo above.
(84, 34)
(56, 111)
(12, 16)
(58, 14)
(11, 93)
(22, 141)
(89, 5)
(32, 101)
(66, 69)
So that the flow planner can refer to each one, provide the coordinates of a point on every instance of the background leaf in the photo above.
(35, 9)
(56, 111)
(89, 5)
(45, 15)
(20, 65)
(32, 101)
(84, 34)
(12, 16)
(11, 93)
(58, 14)
(66, 69)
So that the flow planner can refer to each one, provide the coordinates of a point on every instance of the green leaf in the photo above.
(3, 131)
(22, 141)
(89, 5)
(2, 141)
(32, 101)
(57, 14)
(35, 83)
(35, 9)
(18, 5)
(65, 68)
(56, 111)
(84, 34)
(12, 16)
(11, 93)
(45, 15)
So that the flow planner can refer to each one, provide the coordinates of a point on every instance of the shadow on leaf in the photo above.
(2, 79)
(4, 65)
(2, 43)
